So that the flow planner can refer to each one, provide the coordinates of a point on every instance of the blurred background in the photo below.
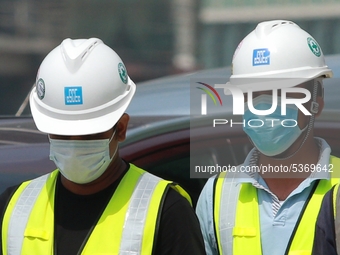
(153, 37)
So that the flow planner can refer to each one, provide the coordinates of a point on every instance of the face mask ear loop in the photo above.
(116, 147)
(114, 153)
(309, 125)
(113, 135)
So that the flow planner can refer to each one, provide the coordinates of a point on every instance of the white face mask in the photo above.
(81, 161)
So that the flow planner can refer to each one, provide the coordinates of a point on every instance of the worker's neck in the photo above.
(290, 172)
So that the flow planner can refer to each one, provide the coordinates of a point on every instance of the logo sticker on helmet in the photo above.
(122, 73)
(73, 95)
(40, 87)
(261, 57)
(314, 46)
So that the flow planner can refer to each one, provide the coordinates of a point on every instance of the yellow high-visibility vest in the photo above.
(241, 234)
(127, 224)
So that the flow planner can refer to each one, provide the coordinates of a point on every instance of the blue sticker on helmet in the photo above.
(261, 57)
(73, 95)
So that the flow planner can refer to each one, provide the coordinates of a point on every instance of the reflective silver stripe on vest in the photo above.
(132, 237)
(20, 214)
(228, 203)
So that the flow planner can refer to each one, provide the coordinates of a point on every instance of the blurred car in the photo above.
(161, 136)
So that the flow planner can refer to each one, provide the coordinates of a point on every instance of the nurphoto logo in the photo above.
(243, 100)
(238, 97)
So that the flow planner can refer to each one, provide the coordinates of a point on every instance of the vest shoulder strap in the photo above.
(226, 192)
(144, 212)
(246, 233)
(18, 212)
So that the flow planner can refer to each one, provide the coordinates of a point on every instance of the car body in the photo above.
(162, 136)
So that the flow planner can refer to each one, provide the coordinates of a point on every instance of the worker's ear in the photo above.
(121, 127)
(319, 98)
(321, 104)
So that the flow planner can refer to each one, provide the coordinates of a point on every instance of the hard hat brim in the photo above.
(83, 124)
(265, 82)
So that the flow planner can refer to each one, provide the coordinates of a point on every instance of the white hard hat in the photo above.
(277, 54)
(82, 87)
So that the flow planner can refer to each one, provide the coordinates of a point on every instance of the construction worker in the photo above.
(270, 204)
(95, 202)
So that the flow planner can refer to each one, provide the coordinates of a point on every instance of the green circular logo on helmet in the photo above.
(122, 73)
(40, 87)
(314, 46)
